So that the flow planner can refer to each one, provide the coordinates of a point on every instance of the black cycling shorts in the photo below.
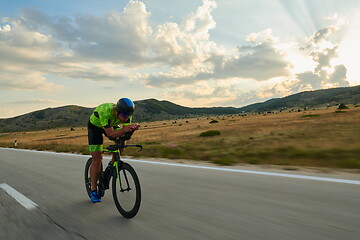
(95, 137)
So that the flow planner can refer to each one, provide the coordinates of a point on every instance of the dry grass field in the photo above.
(313, 138)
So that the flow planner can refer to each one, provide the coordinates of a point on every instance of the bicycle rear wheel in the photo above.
(126, 191)
(101, 189)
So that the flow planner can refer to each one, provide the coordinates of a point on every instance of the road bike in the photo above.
(125, 185)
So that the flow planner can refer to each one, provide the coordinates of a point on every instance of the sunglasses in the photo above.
(125, 115)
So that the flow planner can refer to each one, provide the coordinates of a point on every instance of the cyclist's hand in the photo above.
(131, 127)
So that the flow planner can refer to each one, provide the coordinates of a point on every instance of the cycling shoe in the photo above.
(94, 196)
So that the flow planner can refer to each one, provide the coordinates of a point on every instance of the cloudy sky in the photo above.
(191, 52)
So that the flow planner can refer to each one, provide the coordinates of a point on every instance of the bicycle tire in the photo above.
(88, 180)
(118, 195)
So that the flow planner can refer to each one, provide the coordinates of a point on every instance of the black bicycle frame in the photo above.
(118, 163)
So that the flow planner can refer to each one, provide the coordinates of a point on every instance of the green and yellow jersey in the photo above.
(103, 117)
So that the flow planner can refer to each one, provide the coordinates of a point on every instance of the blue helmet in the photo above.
(125, 107)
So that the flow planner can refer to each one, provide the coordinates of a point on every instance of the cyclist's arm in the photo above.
(111, 132)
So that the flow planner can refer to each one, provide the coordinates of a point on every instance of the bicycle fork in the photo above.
(118, 164)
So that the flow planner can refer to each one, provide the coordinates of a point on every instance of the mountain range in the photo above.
(309, 99)
(153, 110)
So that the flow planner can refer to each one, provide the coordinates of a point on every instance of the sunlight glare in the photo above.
(349, 51)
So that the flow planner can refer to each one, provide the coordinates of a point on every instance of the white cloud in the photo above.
(325, 74)
(118, 37)
(322, 47)
(349, 50)
(23, 55)
(26, 80)
(201, 21)
(35, 45)
(80, 47)
(203, 93)
(259, 61)
(5, 28)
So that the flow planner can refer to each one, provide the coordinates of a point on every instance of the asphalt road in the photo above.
(177, 203)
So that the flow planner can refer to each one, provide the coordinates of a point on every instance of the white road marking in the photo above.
(26, 202)
(253, 172)
(306, 177)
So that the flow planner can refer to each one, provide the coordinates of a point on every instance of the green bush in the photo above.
(342, 106)
(214, 121)
(210, 133)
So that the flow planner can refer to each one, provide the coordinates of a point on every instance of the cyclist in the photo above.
(106, 119)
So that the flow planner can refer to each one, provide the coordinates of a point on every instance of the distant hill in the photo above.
(309, 99)
(67, 116)
(153, 110)
(75, 116)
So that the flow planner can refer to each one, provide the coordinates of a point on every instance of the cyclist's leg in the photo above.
(95, 168)
(95, 146)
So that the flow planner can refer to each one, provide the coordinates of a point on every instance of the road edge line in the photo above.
(294, 176)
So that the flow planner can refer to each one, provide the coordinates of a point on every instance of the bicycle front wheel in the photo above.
(126, 191)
